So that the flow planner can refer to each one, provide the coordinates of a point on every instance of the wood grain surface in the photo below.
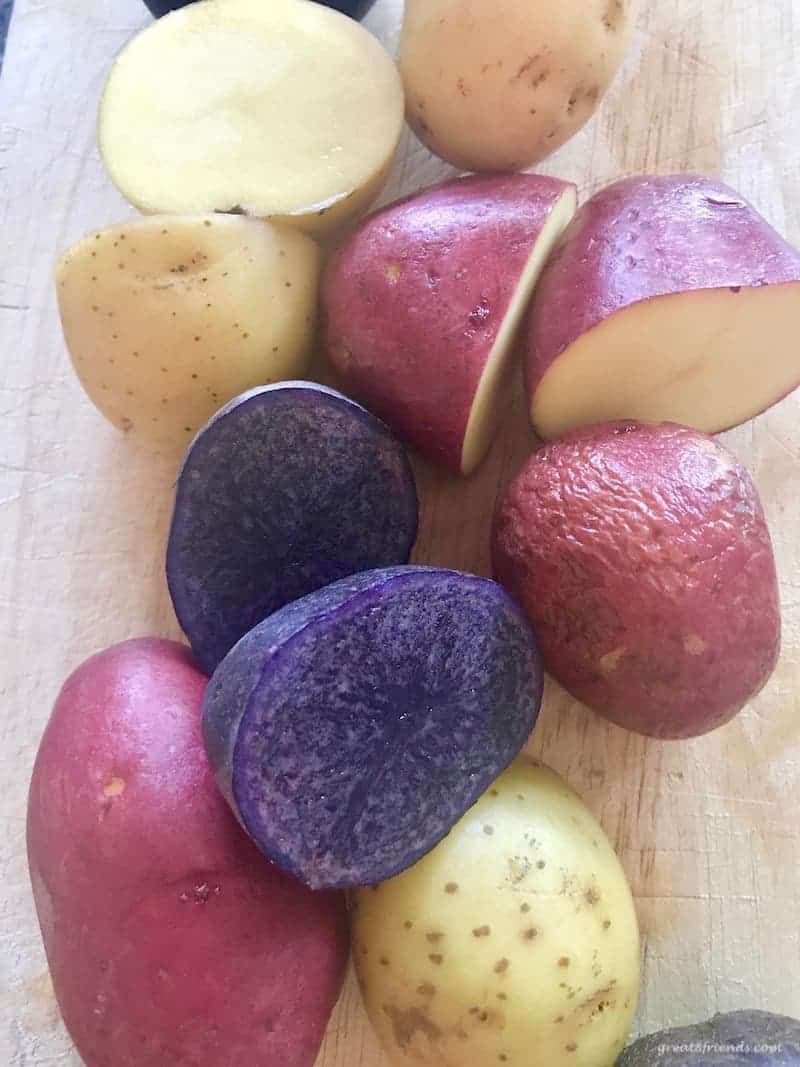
(708, 830)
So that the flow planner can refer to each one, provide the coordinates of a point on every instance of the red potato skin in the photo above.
(643, 560)
(170, 939)
(414, 300)
(646, 237)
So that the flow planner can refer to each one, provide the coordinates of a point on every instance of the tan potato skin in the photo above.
(167, 318)
(513, 943)
(500, 84)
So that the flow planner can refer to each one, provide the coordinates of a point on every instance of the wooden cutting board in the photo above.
(709, 829)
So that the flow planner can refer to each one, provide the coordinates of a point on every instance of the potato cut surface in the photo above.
(274, 109)
(486, 407)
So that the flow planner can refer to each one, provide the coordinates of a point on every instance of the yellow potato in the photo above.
(514, 942)
(166, 318)
(283, 110)
(500, 84)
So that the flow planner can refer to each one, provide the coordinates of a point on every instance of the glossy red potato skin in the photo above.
(646, 237)
(169, 938)
(642, 558)
(413, 302)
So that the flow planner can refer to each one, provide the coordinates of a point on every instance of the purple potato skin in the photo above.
(350, 730)
(356, 9)
(647, 237)
(287, 488)
(745, 1033)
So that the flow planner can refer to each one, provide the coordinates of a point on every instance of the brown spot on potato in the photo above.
(488, 830)
(436, 958)
(563, 961)
(501, 966)
(525, 908)
(502, 996)
(571, 1047)
(531, 933)
(408, 925)
(481, 931)
(451, 888)
(462, 87)
(694, 645)
(518, 869)
(614, 16)
(606, 924)
(407, 1022)
(493, 793)
(383, 961)
(558, 1019)
(427, 989)
(434, 937)
(592, 896)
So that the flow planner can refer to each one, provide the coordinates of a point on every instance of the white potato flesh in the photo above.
(168, 317)
(710, 359)
(275, 108)
(487, 407)
(513, 942)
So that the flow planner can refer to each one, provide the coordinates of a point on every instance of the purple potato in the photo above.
(350, 730)
(737, 1039)
(287, 488)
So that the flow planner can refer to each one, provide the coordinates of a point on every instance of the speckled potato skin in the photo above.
(737, 1039)
(413, 302)
(166, 318)
(514, 942)
(500, 84)
(642, 238)
(170, 941)
(643, 560)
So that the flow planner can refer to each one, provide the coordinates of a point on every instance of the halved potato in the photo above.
(668, 298)
(166, 318)
(278, 109)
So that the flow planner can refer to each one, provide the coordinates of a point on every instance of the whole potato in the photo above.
(171, 942)
(168, 317)
(737, 1039)
(642, 558)
(500, 84)
(514, 942)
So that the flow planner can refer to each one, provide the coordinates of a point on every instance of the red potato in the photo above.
(170, 940)
(423, 303)
(667, 299)
(643, 561)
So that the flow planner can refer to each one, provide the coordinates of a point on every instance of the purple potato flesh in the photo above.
(350, 730)
(288, 488)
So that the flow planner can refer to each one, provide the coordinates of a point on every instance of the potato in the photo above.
(166, 318)
(738, 1039)
(354, 8)
(273, 108)
(288, 488)
(514, 942)
(171, 942)
(495, 85)
(413, 325)
(643, 560)
(668, 298)
(351, 729)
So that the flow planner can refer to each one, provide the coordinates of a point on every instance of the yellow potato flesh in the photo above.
(487, 407)
(709, 359)
(166, 318)
(275, 108)
(514, 942)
